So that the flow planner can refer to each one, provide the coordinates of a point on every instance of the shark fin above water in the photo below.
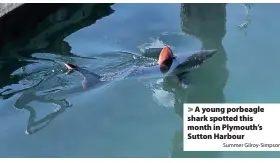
(70, 66)
(84, 72)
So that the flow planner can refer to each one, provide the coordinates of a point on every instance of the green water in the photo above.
(131, 118)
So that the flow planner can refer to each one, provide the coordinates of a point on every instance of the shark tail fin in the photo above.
(70, 66)
(88, 75)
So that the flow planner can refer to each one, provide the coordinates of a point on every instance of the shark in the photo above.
(168, 65)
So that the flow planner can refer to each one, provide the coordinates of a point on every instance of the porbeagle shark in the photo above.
(168, 65)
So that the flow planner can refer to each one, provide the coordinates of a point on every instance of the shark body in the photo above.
(179, 66)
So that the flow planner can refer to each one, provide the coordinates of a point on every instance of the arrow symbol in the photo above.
(190, 109)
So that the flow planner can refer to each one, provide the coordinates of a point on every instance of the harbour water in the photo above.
(131, 118)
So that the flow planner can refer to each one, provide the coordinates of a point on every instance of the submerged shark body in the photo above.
(179, 66)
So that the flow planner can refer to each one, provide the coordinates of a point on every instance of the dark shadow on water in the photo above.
(24, 19)
(48, 37)
(207, 22)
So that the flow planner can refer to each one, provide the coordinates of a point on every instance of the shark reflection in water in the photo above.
(38, 93)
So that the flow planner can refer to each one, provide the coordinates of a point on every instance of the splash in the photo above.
(154, 43)
(160, 96)
(173, 33)
(247, 19)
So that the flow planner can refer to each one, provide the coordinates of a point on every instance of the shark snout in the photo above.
(206, 54)
(202, 56)
(210, 53)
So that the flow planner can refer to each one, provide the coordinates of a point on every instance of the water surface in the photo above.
(131, 118)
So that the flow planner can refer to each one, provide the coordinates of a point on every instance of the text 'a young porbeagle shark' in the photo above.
(168, 65)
